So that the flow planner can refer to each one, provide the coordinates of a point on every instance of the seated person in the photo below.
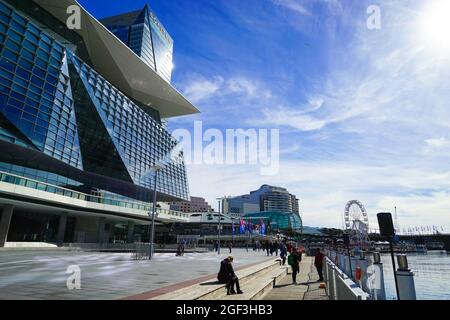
(227, 276)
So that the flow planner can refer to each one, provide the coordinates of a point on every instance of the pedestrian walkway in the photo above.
(43, 274)
(307, 287)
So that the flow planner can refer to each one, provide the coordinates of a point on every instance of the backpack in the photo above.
(291, 259)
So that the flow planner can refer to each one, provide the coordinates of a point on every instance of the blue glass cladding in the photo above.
(162, 47)
(140, 140)
(146, 36)
(35, 93)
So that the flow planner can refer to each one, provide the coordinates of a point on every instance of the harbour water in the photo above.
(431, 275)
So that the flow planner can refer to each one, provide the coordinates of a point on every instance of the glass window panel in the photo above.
(39, 72)
(41, 63)
(42, 54)
(29, 117)
(32, 38)
(46, 38)
(33, 28)
(27, 54)
(16, 26)
(5, 9)
(23, 73)
(30, 46)
(37, 81)
(44, 46)
(14, 36)
(35, 89)
(8, 65)
(4, 18)
(18, 19)
(25, 64)
(10, 55)
(12, 45)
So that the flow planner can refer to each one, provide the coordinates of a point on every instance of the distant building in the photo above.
(196, 204)
(266, 198)
(276, 221)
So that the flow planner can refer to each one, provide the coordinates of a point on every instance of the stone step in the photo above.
(259, 287)
(211, 289)
(246, 282)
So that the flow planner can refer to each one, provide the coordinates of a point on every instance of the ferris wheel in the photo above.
(356, 218)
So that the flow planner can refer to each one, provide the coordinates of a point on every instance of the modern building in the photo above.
(196, 204)
(253, 225)
(146, 36)
(81, 127)
(276, 221)
(266, 198)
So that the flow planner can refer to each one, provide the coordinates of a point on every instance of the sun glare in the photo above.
(435, 25)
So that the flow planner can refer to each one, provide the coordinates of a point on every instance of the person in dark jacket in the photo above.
(227, 276)
(294, 259)
(318, 262)
(283, 253)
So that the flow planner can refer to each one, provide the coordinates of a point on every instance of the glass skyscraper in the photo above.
(81, 125)
(145, 35)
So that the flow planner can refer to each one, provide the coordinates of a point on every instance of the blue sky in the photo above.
(363, 114)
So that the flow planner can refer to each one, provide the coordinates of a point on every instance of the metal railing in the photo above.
(339, 285)
(46, 187)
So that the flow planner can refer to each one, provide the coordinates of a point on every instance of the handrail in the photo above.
(43, 186)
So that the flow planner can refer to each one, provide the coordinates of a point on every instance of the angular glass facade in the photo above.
(139, 139)
(143, 33)
(35, 92)
(53, 103)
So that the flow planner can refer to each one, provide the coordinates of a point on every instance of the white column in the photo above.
(5, 223)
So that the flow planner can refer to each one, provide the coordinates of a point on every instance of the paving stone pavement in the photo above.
(42, 274)
(307, 287)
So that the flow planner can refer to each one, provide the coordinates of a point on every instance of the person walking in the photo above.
(227, 276)
(216, 246)
(230, 245)
(289, 247)
(318, 262)
(294, 260)
(283, 253)
(267, 245)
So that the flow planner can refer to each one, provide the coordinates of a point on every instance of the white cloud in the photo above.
(294, 5)
(237, 88)
(201, 89)
(438, 142)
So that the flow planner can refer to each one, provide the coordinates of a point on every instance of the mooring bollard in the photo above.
(405, 278)
(378, 283)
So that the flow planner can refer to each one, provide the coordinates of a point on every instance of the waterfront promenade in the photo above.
(307, 287)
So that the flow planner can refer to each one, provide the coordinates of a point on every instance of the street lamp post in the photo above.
(218, 232)
(152, 233)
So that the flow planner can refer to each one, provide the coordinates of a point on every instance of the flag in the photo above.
(263, 228)
(242, 226)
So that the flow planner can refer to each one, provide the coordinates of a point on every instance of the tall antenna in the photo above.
(397, 229)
